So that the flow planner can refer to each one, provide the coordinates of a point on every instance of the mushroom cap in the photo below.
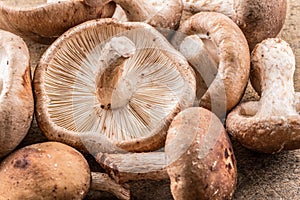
(202, 163)
(45, 22)
(258, 20)
(16, 99)
(160, 80)
(261, 19)
(270, 134)
(229, 84)
(49, 170)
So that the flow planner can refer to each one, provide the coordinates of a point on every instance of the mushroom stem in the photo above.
(113, 56)
(101, 181)
(1, 85)
(158, 13)
(276, 77)
(134, 166)
(222, 6)
(258, 19)
(204, 62)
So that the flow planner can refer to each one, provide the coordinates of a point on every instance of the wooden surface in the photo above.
(260, 176)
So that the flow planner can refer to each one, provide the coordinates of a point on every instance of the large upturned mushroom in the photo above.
(106, 78)
(258, 19)
(44, 22)
(218, 51)
(16, 99)
(271, 124)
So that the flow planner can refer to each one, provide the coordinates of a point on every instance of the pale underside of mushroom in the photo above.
(152, 78)
(271, 124)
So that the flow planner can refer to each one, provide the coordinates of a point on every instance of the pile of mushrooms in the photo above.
(151, 96)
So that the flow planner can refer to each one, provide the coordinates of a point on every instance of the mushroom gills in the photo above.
(130, 100)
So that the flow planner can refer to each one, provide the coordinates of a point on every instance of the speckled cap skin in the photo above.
(48, 170)
(202, 163)
(16, 99)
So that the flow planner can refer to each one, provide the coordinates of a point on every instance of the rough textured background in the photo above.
(260, 176)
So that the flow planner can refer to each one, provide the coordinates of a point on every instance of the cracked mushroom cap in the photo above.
(45, 22)
(16, 99)
(202, 163)
(143, 94)
(271, 124)
(49, 170)
(258, 20)
(228, 48)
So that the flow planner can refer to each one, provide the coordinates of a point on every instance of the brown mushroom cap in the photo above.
(16, 99)
(228, 86)
(258, 20)
(271, 124)
(202, 161)
(49, 170)
(45, 22)
(67, 108)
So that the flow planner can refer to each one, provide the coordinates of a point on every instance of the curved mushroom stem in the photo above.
(258, 19)
(275, 63)
(271, 124)
(101, 181)
(203, 61)
(222, 6)
(161, 14)
(134, 166)
(113, 56)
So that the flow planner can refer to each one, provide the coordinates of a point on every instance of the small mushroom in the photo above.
(16, 99)
(122, 80)
(225, 48)
(51, 170)
(258, 20)
(198, 159)
(162, 14)
(271, 124)
(46, 21)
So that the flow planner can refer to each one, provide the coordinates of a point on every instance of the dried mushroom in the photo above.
(52, 170)
(162, 14)
(44, 22)
(226, 48)
(122, 80)
(258, 20)
(16, 99)
(271, 124)
(198, 159)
